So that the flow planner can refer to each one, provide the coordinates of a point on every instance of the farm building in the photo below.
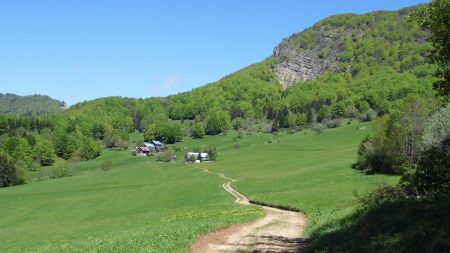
(142, 151)
(149, 148)
(159, 146)
(199, 157)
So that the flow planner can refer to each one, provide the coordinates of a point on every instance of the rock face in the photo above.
(297, 63)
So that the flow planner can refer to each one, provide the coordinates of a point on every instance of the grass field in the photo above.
(308, 171)
(145, 205)
(139, 206)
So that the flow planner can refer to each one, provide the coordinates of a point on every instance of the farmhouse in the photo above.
(142, 151)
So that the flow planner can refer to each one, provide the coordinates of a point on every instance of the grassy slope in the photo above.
(139, 204)
(143, 204)
(303, 170)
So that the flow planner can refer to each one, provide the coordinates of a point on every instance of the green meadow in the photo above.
(140, 205)
(306, 171)
(145, 205)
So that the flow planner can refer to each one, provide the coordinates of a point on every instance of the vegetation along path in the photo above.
(279, 231)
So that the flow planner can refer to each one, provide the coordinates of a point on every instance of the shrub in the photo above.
(333, 123)
(59, 169)
(369, 115)
(165, 156)
(318, 128)
(212, 152)
(22, 173)
(192, 159)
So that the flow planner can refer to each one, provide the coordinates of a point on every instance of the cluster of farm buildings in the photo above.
(149, 148)
(155, 147)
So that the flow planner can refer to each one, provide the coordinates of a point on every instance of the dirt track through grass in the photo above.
(278, 231)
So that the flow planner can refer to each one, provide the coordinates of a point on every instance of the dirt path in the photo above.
(279, 231)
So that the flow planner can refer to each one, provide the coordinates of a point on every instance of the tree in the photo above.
(23, 151)
(65, 144)
(98, 130)
(438, 128)
(435, 17)
(7, 171)
(198, 131)
(89, 149)
(150, 133)
(432, 176)
(396, 142)
(44, 152)
(338, 110)
(324, 113)
(217, 122)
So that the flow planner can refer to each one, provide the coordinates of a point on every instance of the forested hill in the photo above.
(344, 66)
(29, 105)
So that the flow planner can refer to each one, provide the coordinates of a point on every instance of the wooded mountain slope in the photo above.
(29, 105)
(362, 65)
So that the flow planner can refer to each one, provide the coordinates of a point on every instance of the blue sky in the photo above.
(75, 50)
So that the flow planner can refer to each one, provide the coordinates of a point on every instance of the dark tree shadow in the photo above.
(396, 226)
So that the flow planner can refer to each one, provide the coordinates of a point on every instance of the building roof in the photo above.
(203, 155)
(149, 145)
(143, 149)
(191, 154)
(157, 142)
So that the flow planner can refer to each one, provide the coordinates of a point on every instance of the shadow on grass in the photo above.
(394, 226)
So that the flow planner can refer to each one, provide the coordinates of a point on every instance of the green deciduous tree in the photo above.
(44, 152)
(217, 122)
(435, 17)
(7, 171)
(89, 149)
(198, 130)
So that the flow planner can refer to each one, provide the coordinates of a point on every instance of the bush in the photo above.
(369, 115)
(333, 123)
(192, 159)
(318, 128)
(165, 156)
(212, 152)
(22, 173)
(60, 169)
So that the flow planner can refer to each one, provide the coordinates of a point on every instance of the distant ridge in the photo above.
(29, 105)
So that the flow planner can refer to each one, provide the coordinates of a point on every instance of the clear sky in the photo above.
(75, 50)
